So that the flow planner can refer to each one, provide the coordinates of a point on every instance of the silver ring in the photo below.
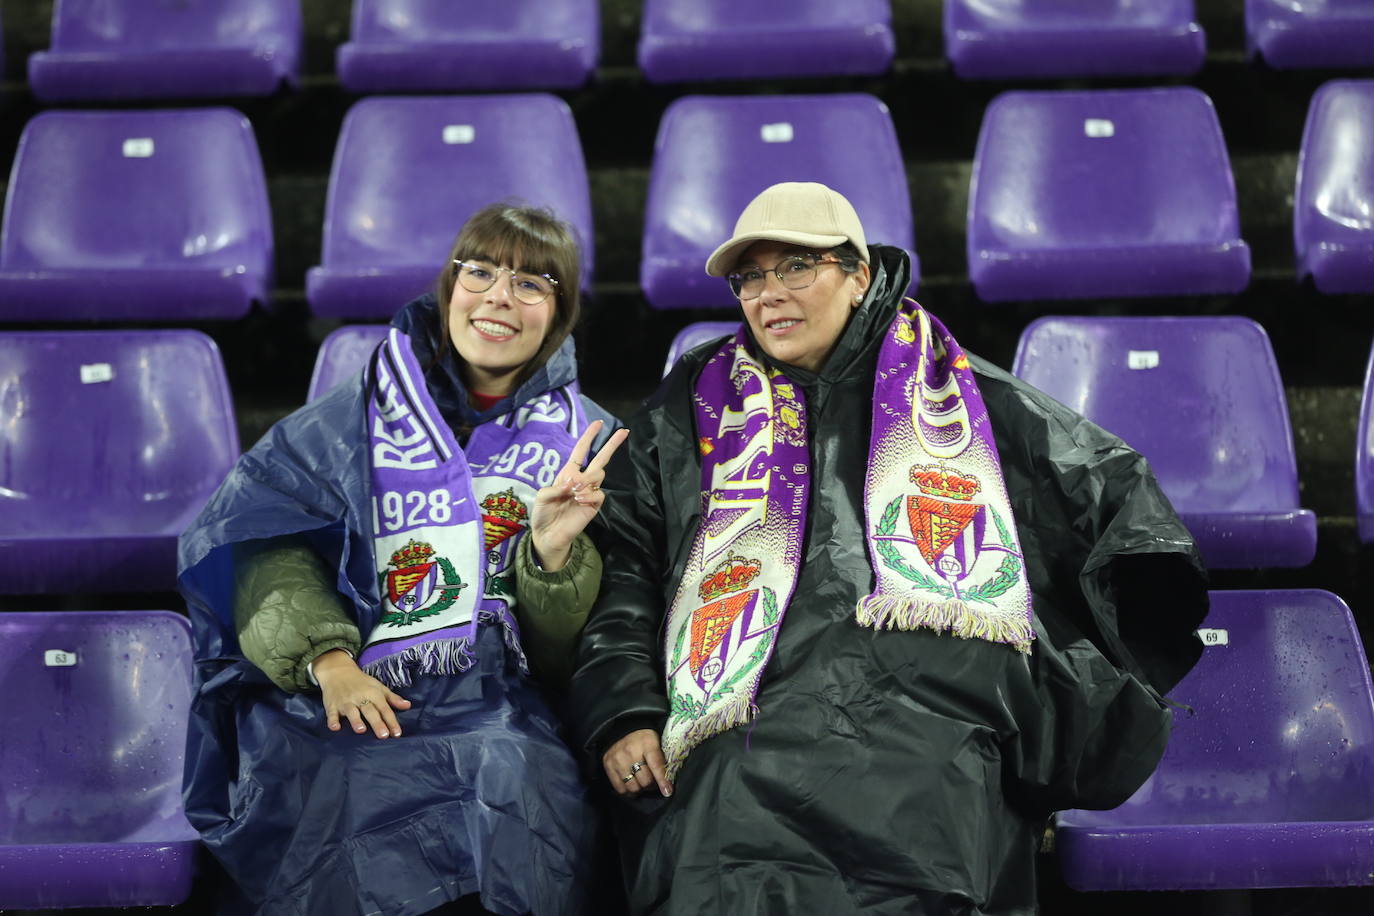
(363, 702)
(636, 767)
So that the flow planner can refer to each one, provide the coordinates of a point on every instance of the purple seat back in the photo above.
(696, 334)
(1015, 39)
(1201, 398)
(133, 49)
(343, 354)
(1364, 457)
(1333, 204)
(1269, 782)
(92, 759)
(1103, 193)
(407, 174)
(686, 40)
(442, 46)
(713, 155)
(135, 215)
(1317, 33)
(110, 443)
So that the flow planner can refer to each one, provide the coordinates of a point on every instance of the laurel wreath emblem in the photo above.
(1008, 573)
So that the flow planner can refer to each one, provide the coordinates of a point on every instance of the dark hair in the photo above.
(532, 239)
(848, 255)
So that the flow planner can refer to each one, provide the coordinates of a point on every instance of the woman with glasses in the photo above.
(373, 587)
(873, 608)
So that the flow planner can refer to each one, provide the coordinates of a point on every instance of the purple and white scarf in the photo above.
(941, 538)
(446, 520)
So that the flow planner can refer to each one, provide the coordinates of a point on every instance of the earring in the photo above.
(858, 297)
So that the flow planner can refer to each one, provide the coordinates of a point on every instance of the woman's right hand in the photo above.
(640, 747)
(364, 700)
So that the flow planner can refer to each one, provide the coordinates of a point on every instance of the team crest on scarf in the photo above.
(413, 590)
(503, 516)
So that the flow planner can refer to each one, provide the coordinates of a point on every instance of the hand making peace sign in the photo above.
(561, 511)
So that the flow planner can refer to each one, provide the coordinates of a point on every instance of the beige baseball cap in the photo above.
(803, 213)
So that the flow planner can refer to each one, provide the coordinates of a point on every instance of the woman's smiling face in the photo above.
(800, 326)
(494, 332)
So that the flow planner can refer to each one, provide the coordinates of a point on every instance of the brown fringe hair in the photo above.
(531, 239)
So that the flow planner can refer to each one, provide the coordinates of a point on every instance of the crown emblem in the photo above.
(732, 575)
(942, 482)
(412, 554)
(505, 505)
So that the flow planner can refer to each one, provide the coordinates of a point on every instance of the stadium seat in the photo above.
(1043, 39)
(110, 443)
(1266, 780)
(696, 334)
(1364, 457)
(132, 49)
(442, 46)
(1333, 204)
(1317, 33)
(1201, 398)
(343, 354)
(1103, 193)
(715, 154)
(688, 40)
(135, 216)
(90, 768)
(407, 174)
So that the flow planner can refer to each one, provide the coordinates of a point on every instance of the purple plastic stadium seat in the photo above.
(135, 216)
(1103, 193)
(1333, 204)
(133, 49)
(1311, 33)
(90, 768)
(686, 40)
(694, 335)
(343, 354)
(1201, 398)
(715, 154)
(1364, 457)
(1270, 783)
(110, 443)
(442, 46)
(409, 171)
(1016, 39)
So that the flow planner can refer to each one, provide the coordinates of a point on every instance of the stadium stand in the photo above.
(113, 50)
(135, 216)
(1039, 39)
(1333, 206)
(1321, 341)
(1103, 193)
(714, 153)
(690, 40)
(1324, 34)
(1265, 782)
(409, 170)
(343, 354)
(92, 782)
(694, 335)
(486, 45)
(110, 443)
(1201, 398)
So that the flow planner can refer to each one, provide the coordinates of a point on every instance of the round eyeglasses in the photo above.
(796, 272)
(531, 289)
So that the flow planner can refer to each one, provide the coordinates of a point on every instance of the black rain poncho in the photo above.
(892, 772)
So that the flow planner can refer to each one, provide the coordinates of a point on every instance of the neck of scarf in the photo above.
(446, 520)
(941, 539)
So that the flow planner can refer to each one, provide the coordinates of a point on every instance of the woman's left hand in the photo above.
(561, 511)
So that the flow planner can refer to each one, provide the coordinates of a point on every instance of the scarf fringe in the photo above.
(895, 612)
(442, 656)
(727, 715)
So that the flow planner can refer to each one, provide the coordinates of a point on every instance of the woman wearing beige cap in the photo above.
(872, 607)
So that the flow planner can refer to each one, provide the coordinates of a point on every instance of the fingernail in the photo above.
(580, 487)
(386, 734)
